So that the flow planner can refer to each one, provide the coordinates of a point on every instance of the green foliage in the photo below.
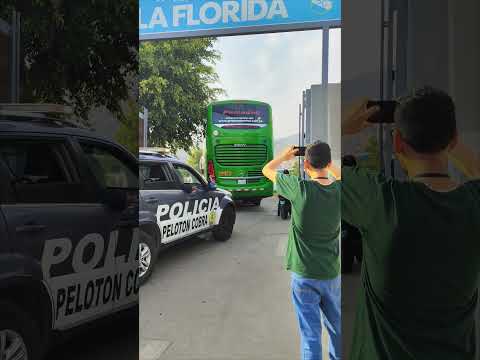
(296, 168)
(194, 156)
(176, 85)
(372, 160)
(77, 53)
(127, 134)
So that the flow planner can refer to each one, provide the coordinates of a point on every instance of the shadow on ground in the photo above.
(113, 337)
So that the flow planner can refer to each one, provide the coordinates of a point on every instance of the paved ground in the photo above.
(114, 337)
(222, 301)
(350, 285)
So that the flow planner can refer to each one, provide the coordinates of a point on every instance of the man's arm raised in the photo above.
(270, 170)
(465, 160)
(335, 171)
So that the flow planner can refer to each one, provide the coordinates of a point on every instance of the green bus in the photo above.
(239, 142)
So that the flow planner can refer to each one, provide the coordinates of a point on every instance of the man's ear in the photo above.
(307, 165)
(453, 144)
(398, 143)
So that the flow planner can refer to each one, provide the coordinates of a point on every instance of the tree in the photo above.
(373, 156)
(78, 53)
(296, 168)
(127, 134)
(177, 80)
(194, 157)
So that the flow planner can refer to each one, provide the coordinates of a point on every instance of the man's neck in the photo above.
(431, 171)
(427, 166)
(318, 173)
(321, 176)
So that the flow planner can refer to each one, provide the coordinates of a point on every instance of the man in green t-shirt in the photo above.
(421, 238)
(313, 247)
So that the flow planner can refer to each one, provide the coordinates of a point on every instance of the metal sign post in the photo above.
(393, 74)
(301, 135)
(15, 58)
(12, 30)
(144, 117)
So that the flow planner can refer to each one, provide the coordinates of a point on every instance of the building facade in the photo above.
(322, 117)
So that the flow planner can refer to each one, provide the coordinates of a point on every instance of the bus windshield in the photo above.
(240, 116)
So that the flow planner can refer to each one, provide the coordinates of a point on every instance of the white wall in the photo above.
(334, 121)
(325, 125)
(361, 55)
(444, 52)
(465, 63)
(361, 37)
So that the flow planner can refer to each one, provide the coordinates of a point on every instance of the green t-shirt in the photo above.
(420, 270)
(313, 237)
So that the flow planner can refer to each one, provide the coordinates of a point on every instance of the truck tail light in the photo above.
(211, 171)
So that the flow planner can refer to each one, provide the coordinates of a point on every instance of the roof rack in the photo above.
(158, 152)
(43, 112)
(47, 109)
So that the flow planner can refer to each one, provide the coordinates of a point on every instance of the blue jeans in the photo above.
(314, 300)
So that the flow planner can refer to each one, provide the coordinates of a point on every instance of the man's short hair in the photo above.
(426, 120)
(318, 155)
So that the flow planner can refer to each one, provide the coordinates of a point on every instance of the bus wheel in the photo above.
(223, 231)
(19, 334)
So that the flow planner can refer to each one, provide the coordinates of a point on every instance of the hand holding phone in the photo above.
(300, 150)
(386, 114)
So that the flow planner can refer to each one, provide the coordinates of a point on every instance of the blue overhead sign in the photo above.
(161, 19)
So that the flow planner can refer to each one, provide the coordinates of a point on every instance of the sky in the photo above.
(276, 68)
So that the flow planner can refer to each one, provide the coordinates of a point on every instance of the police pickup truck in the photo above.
(175, 203)
(68, 230)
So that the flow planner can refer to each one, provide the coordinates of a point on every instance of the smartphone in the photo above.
(386, 115)
(301, 150)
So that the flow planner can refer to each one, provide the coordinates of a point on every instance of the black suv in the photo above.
(175, 203)
(68, 230)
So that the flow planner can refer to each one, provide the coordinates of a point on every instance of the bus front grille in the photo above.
(245, 155)
(253, 173)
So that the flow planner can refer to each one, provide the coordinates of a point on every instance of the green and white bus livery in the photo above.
(239, 142)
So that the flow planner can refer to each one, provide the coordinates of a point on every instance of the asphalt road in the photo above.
(350, 287)
(222, 301)
(114, 337)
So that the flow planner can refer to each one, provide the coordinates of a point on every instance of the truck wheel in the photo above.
(19, 334)
(147, 256)
(223, 231)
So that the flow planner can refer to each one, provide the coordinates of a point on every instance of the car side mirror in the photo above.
(188, 188)
(211, 186)
(115, 199)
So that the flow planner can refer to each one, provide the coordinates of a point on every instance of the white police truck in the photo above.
(177, 203)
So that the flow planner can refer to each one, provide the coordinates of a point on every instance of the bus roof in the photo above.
(222, 102)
